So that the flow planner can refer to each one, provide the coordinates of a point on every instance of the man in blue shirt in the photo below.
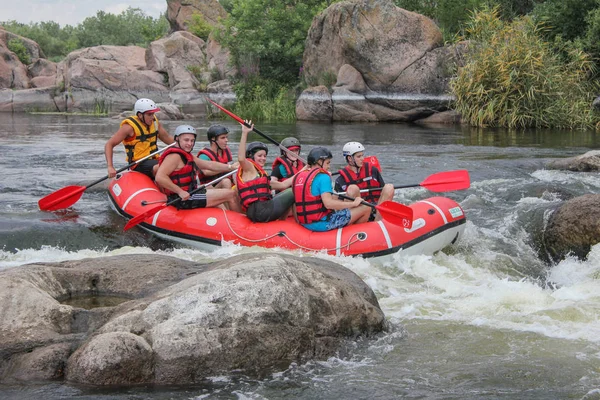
(317, 208)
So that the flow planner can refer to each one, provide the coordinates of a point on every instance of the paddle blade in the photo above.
(447, 181)
(142, 217)
(374, 161)
(226, 111)
(396, 213)
(62, 198)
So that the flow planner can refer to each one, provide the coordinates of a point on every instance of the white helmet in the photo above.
(352, 148)
(145, 105)
(181, 129)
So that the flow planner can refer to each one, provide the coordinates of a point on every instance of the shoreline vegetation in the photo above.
(529, 65)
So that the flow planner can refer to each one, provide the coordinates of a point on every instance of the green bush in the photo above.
(198, 26)
(17, 47)
(513, 78)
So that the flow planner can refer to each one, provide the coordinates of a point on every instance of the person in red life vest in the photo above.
(317, 208)
(138, 134)
(254, 186)
(218, 150)
(287, 164)
(178, 169)
(359, 174)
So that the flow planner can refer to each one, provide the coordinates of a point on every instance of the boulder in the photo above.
(113, 68)
(390, 63)
(179, 12)
(315, 104)
(33, 49)
(13, 74)
(218, 58)
(42, 73)
(378, 39)
(573, 228)
(587, 162)
(176, 56)
(176, 321)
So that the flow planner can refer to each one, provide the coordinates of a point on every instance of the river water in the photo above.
(484, 319)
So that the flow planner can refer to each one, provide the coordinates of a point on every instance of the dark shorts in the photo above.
(145, 167)
(338, 219)
(266, 211)
(196, 200)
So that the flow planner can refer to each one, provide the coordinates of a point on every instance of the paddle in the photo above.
(69, 195)
(439, 182)
(142, 217)
(371, 159)
(396, 213)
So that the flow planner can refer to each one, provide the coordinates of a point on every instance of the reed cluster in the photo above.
(513, 78)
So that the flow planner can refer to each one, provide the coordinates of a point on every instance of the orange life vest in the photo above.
(364, 180)
(309, 208)
(144, 142)
(185, 177)
(257, 189)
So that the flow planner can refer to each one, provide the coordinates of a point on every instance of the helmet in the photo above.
(181, 129)
(289, 142)
(144, 106)
(254, 147)
(352, 148)
(318, 153)
(216, 130)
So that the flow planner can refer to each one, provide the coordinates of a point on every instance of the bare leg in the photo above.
(360, 214)
(214, 197)
(387, 194)
(352, 191)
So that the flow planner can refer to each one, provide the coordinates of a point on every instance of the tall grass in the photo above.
(513, 78)
(258, 104)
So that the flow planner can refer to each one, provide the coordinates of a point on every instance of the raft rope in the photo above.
(280, 234)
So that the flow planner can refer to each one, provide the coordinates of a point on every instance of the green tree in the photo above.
(198, 26)
(271, 34)
(17, 47)
(564, 18)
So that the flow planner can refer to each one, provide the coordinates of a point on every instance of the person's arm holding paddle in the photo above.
(248, 170)
(123, 133)
(171, 163)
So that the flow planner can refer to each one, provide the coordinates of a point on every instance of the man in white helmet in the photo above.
(359, 174)
(178, 170)
(138, 134)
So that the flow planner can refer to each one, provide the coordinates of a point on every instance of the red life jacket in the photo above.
(185, 178)
(288, 165)
(223, 157)
(309, 208)
(364, 180)
(257, 189)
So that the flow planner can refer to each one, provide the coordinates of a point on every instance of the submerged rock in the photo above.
(573, 228)
(185, 322)
(587, 162)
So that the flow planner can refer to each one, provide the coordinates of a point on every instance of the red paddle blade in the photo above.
(374, 161)
(62, 198)
(142, 217)
(447, 181)
(396, 213)
(226, 111)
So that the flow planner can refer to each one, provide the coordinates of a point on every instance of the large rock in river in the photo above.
(390, 63)
(587, 162)
(573, 228)
(185, 322)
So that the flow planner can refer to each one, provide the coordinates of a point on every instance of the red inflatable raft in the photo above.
(437, 223)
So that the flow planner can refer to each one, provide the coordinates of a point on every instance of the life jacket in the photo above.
(223, 157)
(309, 208)
(364, 180)
(143, 143)
(257, 189)
(288, 165)
(185, 177)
